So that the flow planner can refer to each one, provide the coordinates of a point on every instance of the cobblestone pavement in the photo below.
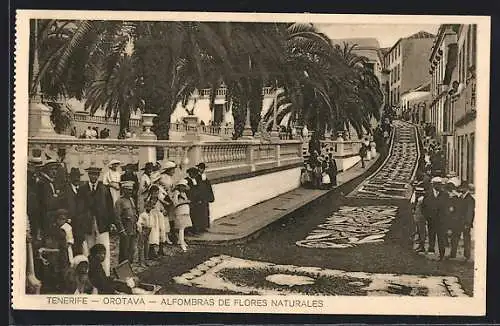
(380, 262)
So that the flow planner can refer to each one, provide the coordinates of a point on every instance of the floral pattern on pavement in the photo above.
(244, 276)
(392, 179)
(351, 226)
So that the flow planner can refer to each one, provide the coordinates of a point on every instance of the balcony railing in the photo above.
(86, 117)
(222, 92)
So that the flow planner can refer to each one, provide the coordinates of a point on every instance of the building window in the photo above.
(470, 166)
(469, 37)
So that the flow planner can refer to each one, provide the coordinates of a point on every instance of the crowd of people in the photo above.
(70, 221)
(319, 172)
(443, 207)
(91, 133)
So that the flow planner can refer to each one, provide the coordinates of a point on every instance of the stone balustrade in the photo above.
(222, 131)
(226, 160)
(86, 117)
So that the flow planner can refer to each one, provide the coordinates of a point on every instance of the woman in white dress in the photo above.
(182, 218)
(166, 185)
(112, 179)
(144, 184)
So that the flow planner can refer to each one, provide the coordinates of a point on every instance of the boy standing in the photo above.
(126, 215)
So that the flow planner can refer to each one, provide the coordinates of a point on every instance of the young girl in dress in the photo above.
(182, 218)
(144, 226)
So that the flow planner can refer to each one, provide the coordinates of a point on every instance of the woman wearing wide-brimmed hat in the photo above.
(111, 179)
(166, 185)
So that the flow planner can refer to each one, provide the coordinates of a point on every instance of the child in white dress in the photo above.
(144, 226)
(182, 217)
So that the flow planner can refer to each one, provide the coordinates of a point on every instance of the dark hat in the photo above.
(75, 171)
(192, 170)
(62, 211)
(148, 166)
(133, 166)
(93, 169)
(201, 165)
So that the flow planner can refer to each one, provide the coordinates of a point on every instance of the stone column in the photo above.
(147, 153)
(278, 154)
(194, 155)
(247, 131)
(250, 157)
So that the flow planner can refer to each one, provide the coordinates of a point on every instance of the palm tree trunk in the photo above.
(162, 124)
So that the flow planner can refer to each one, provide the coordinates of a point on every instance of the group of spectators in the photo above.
(319, 172)
(70, 221)
(443, 207)
(92, 133)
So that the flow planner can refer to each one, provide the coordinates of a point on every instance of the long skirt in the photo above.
(200, 215)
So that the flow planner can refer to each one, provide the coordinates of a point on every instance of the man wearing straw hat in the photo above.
(97, 218)
(50, 195)
(33, 195)
(72, 205)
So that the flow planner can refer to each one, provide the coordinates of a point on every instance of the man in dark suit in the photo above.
(50, 194)
(73, 206)
(96, 218)
(468, 210)
(434, 208)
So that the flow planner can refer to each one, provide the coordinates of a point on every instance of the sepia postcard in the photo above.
(250, 162)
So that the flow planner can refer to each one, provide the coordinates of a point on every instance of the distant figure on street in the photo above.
(362, 153)
(332, 170)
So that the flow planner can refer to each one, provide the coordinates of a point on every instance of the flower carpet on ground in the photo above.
(351, 226)
(244, 276)
(394, 176)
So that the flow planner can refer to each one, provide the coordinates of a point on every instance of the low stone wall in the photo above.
(231, 197)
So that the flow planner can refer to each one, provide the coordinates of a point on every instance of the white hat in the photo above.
(182, 182)
(113, 162)
(436, 180)
(169, 165)
(455, 181)
(78, 259)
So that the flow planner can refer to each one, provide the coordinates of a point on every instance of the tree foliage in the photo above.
(122, 66)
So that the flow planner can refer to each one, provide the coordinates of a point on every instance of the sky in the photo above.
(387, 34)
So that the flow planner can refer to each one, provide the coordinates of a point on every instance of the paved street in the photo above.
(343, 245)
